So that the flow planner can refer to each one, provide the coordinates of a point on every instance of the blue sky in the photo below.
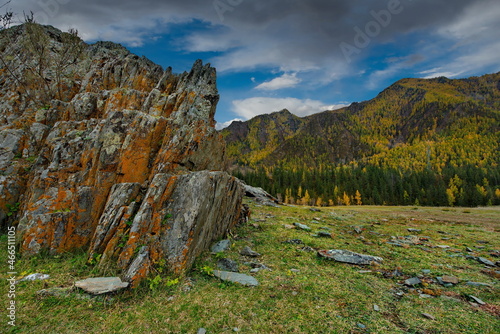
(306, 56)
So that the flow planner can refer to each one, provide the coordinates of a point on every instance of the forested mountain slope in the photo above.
(439, 126)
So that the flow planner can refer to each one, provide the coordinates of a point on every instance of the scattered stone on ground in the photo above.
(302, 226)
(439, 279)
(315, 210)
(257, 265)
(358, 229)
(360, 325)
(221, 246)
(346, 256)
(376, 308)
(414, 230)
(247, 251)
(307, 249)
(442, 246)
(426, 271)
(486, 261)
(478, 284)
(294, 242)
(293, 270)
(201, 331)
(477, 300)
(34, 277)
(289, 227)
(315, 222)
(413, 281)
(324, 234)
(468, 249)
(365, 272)
(101, 285)
(428, 316)
(228, 265)
(242, 279)
(450, 279)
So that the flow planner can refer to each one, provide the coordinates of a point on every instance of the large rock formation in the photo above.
(103, 150)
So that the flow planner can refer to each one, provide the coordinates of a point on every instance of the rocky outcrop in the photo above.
(103, 150)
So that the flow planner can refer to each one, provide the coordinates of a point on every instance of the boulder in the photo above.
(124, 162)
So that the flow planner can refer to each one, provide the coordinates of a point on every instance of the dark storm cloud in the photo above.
(296, 35)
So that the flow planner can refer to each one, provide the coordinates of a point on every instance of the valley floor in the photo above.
(300, 292)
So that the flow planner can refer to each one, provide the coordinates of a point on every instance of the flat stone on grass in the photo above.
(242, 279)
(101, 285)
(346, 256)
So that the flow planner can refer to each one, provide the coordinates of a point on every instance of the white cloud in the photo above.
(285, 81)
(249, 108)
(439, 72)
(220, 126)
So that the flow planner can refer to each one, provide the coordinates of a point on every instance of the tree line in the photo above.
(368, 184)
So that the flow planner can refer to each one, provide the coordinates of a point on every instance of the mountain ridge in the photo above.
(343, 129)
(423, 141)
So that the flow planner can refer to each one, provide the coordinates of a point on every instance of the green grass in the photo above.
(322, 297)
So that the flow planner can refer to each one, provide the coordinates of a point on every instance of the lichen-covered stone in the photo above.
(111, 155)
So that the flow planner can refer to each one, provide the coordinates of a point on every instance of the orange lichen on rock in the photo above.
(114, 158)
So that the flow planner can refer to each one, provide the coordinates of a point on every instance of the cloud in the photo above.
(295, 36)
(220, 126)
(285, 81)
(251, 107)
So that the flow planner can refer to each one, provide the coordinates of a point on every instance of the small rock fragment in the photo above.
(236, 278)
(289, 227)
(428, 316)
(101, 285)
(414, 230)
(201, 331)
(426, 271)
(323, 234)
(34, 277)
(376, 308)
(450, 279)
(360, 325)
(485, 261)
(247, 251)
(443, 246)
(477, 300)
(478, 284)
(413, 281)
(302, 226)
(294, 242)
